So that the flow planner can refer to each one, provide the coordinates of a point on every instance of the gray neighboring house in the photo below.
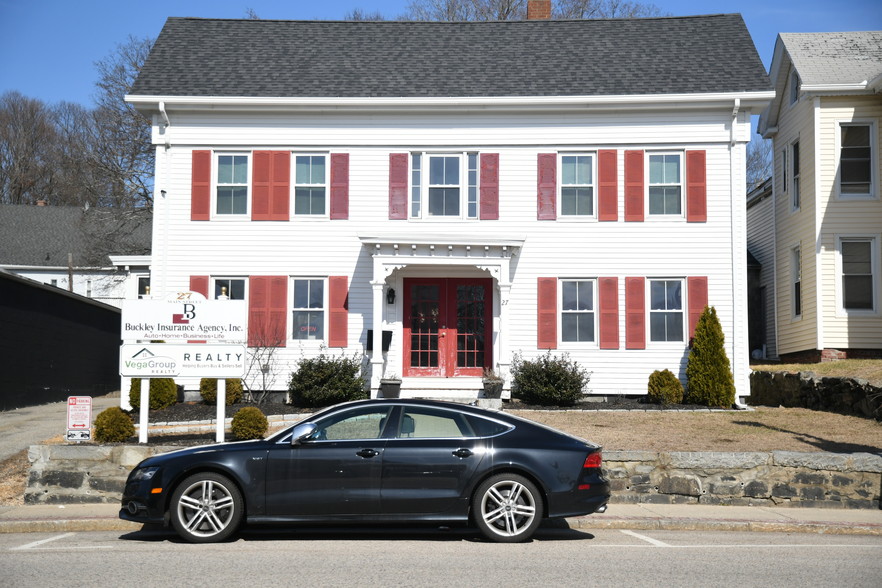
(101, 254)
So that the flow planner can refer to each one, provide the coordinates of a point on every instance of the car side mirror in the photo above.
(302, 432)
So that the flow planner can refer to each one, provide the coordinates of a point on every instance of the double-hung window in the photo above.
(310, 185)
(577, 316)
(666, 310)
(794, 175)
(444, 186)
(856, 161)
(665, 184)
(308, 308)
(859, 273)
(229, 289)
(796, 279)
(577, 185)
(231, 196)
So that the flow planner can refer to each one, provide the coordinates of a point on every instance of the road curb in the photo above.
(67, 525)
(697, 524)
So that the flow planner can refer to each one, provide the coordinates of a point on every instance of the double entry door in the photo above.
(448, 326)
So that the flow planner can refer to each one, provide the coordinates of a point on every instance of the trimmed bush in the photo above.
(664, 388)
(325, 380)
(249, 423)
(549, 380)
(208, 390)
(709, 378)
(163, 393)
(113, 425)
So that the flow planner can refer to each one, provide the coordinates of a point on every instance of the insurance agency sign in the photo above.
(185, 316)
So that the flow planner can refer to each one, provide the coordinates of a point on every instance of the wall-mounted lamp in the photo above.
(163, 193)
(390, 296)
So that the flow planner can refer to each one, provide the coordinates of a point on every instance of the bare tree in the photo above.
(492, 10)
(27, 136)
(261, 371)
(358, 14)
(759, 161)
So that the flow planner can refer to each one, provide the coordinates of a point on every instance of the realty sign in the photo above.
(163, 360)
(185, 316)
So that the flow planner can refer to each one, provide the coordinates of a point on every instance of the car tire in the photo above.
(206, 508)
(507, 508)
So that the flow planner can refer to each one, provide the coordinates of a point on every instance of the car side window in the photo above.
(426, 423)
(487, 428)
(349, 425)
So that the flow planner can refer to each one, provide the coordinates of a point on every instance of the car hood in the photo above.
(202, 449)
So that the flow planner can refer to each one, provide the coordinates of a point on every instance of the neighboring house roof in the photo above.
(266, 58)
(846, 63)
(42, 236)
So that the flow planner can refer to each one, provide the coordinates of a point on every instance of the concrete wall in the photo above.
(66, 474)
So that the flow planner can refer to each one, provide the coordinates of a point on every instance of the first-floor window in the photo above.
(232, 184)
(796, 273)
(857, 274)
(576, 185)
(665, 184)
(666, 310)
(577, 310)
(309, 309)
(229, 289)
(310, 184)
(444, 185)
(144, 287)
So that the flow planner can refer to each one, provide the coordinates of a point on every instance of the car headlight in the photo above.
(143, 474)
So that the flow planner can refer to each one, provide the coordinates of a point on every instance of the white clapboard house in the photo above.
(473, 191)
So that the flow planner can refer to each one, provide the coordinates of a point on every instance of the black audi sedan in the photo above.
(387, 461)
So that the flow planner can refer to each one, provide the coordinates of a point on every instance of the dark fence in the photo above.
(54, 344)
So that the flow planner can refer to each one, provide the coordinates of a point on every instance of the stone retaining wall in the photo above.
(807, 390)
(68, 474)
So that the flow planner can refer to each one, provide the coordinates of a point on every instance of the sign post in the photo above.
(79, 418)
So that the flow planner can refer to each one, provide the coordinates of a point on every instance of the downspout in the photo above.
(737, 301)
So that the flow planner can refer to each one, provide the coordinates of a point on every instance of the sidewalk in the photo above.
(103, 517)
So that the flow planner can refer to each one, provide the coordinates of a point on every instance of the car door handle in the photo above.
(462, 452)
(367, 453)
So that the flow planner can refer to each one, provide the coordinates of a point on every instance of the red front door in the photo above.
(447, 326)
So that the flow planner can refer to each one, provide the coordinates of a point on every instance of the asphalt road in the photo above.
(346, 557)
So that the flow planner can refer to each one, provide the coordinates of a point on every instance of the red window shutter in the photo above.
(489, 186)
(633, 186)
(270, 185)
(547, 313)
(547, 187)
(696, 186)
(608, 185)
(339, 186)
(200, 188)
(608, 298)
(398, 186)
(199, 284)
(267, 311)
(635, 313)
(697, 291)
(338, 311)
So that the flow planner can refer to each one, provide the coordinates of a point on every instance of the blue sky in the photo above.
(48, 47)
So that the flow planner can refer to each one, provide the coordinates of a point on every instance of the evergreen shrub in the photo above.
(549, 380)
(249, 423)
(163, 393)
(664, 388)
(208, 390)
(325, 380)
(709, 377)
(113, 425)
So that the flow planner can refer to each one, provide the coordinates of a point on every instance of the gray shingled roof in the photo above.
(319, 59)
(44, 235)
(835, 58)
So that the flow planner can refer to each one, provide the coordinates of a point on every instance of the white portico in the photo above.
(445, 300)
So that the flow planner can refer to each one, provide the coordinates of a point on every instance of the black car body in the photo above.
(376, 460)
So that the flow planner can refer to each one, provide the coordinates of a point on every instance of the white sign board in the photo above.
(164, 360)
(79, 418)
(185, 316)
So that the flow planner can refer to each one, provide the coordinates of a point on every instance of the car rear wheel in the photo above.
(507, 508)
(206, 508)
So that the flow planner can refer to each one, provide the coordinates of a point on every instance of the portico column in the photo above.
(503, 357)
(377, 343)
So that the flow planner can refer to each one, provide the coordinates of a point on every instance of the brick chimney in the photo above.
(538, 9)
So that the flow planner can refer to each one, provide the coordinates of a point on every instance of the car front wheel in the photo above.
(507, 508)
(206, 508)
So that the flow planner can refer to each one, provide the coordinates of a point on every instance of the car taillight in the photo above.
(594, 460)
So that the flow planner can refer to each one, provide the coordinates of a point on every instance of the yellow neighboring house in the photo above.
(825, 296)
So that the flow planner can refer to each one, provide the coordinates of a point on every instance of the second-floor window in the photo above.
(232, 184)
(310, 184)
(444, 185)
(577, 185)
(665, 184)
(794, 176)
(856, 161)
